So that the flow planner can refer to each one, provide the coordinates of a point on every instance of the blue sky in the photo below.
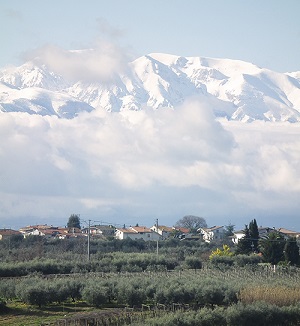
(266, 33)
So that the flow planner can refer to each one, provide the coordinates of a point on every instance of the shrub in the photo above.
(225, 251)
(222, 260)
(95, 294)
(243, 260)
(193, 262)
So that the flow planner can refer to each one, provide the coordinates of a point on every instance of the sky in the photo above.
(266, 33)
(136, 167)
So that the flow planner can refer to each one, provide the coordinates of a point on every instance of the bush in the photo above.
(258, 314)
(95, 294)
(193, 262)
(243, 260)
(222, 260)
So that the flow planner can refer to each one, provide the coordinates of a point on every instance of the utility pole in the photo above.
(89, 230)
(157, 238)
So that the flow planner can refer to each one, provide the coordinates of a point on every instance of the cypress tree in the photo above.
(254, 235)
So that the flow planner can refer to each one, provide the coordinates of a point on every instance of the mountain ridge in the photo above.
(236, 89)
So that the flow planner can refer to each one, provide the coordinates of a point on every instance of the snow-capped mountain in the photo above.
(237, 90)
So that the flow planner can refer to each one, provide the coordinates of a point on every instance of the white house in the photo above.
(264, 231)
(163, 230)
(288, 233)
(137, 232)
(99, 230)
(40, 230)
(213, 233)
(237, 236)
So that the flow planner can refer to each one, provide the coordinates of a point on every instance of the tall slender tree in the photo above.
(254, 235)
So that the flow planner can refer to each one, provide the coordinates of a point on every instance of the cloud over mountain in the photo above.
(165, 139)
(99, 64)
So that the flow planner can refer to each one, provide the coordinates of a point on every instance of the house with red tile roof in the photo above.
(137, 232)
(164, 231)
(7, 233)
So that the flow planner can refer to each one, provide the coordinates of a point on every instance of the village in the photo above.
(153, 233)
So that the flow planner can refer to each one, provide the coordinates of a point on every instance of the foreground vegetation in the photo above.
(127, 282)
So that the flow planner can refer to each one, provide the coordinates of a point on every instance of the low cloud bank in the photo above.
(133, 167)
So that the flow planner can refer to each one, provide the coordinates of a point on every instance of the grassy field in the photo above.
(22, 314)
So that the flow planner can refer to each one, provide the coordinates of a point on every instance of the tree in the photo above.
(254, 235)
(191, 222)
(229, 230)
(74, 221)
(291, 252)
(193, 262)
(95, 294)
(272, 247)
(244, 244)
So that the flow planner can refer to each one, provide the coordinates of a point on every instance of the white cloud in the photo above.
(141, 165)
(97, 64)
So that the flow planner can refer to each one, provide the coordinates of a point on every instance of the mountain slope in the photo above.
(34, 100)
(237, 90)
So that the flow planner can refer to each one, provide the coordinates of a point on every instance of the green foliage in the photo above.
(74, 221)
(33, 292)
(7, 289)
(243, 260)
(95, 294)
(193, 262)
(244, 244)
(254, 235)
(217, 260)
(272, 247)
(291, 252)
(249, 243)
(256, 314)
(130, 293)
(229, 230)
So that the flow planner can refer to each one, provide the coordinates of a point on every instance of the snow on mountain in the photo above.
(30, 75)
(40, 101)
(295, 74)
(237, 90)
